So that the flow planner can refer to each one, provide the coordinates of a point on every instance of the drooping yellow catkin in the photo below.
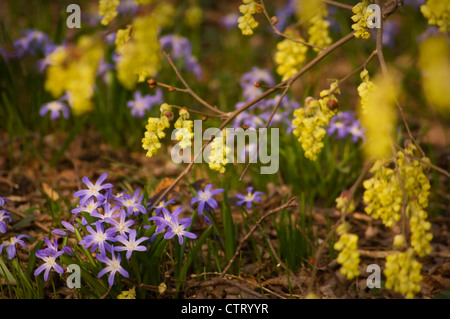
(139, 57)
(183, 128)
(383, 194)
(72, 70)
(290, 55)
(155, 131)
(107, 9)
(309, 122)
(128, 294)
(348, 257)
(402, 273)
(434, 63)
(218, 155)
(438, 13)
(360, 17)
(246, 22)
(365, 89)
(379, 117)
(318, 29)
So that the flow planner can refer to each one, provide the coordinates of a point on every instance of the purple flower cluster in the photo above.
(180, 48)
(345, 124)
(142, 104)
(109, 226)
(9, 245)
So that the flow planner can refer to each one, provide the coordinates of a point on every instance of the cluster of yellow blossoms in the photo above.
(139, 56)
(402, 273)
(155, 131)
(384, 198)
(360, 17)
(218, 155)
(309, 122)
(365, 89)
(72, 71)
(128, 294)
(290, 55)
(246, 22)
(438, 13)
(108, 10)
(318, 30)
(383, 194)
(348, 256)
(183, 127)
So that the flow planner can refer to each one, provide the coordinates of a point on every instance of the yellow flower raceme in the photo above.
(309, 122)
(72, 71)
(290, 56)
(218, 156)
(155, 131)
(402, 273)
(341, 203)
(107, 9)
(184, 129)
(122, 37)
(434, 62)
(348, 256)
(379, 117)
(438, 13)
(318, 30)
(139, 57)
(420, 235)
(416, 183)
(246, 22)
(383, 194)
(365, 89)
(360, 17)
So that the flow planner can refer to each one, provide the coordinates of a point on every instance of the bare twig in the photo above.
(338, 4)
(281, 34)
(188, 88)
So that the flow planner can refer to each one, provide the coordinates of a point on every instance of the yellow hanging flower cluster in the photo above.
(128, 294)
(246, 22)
(309, 122)
(72, 70)
(155, 131)
(438, 13)
(416, 183)
(348, 256)
(290, 56)
(142, 2)
(122, 37)
(184, 129)
(108, 10)
(434, 63)
(402, 273)
(379, 117)
(139, 57)
(383, 194)
(365, 89)
(318, 30)
(420, 235)
(218, 156)
(360, 17)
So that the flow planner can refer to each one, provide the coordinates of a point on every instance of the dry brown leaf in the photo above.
(50, 192)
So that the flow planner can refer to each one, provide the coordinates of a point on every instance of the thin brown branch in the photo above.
(338, 4)
(281, 34)
(188, 88)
